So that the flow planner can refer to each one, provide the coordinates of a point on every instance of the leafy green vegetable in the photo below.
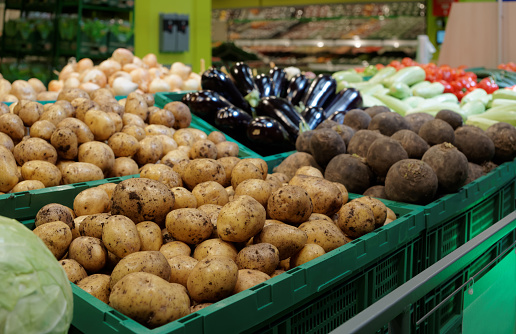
(35, 294)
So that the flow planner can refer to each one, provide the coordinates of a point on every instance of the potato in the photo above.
(28, 185)
(96, 285)
(73, 270)
(309, 171)
(54, 114)
(6, 141)
(198, 134)
(136, 104)
(180, 167)
(89, 252)
(199, 307)
(123, 166)
(151, 238)
(181, 266)
(284, 265)
(287, 239)
(132, 119)
(292, 163)
(240, 219)
(290, 204)
(42, 129)
(247, 278)
(325, 196)
(203, 148)
(99, 154)
(258, 189)
(323, 233)
(210, 192)
(152, 262)
(92, 225)
(185, 148)
(149, 98)
(57, 236)
(212, 210)
(217, 137)
(181, 112)
(141, 200)
(161, 173)
(150, 300)
(4, 108)
(30, 112)
(391, 215)
(135, 131)
(245, 170)
(162, 117)
(307, 253)
(379, 209)
(226, 149)
(191, 226)
(263, 257)
(228, 163)
(12, 125)
(91, 201)
(9, 175)
(65, 142)
(183, 198)
(151, 150)
(174, 157)
(117, 121)
(76, 172)
(70, 94)
(54, 212)
(356, 219)
(319, 216)
(175, 248)
(67, 106)
(108, 188)
(81, 130)
(34, 149)
(100, 124)
(168, 143)
(215, 247)
(43, 171)
(231, 193)
(282, 177)
(343, 192)
(120, 236)
(112, 107)
(277, 272)
(184, 137)
(212, 279)
(202, 170)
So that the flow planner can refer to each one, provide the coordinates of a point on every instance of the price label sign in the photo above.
(442, 7)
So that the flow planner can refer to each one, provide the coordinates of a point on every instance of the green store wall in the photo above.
(147, 25)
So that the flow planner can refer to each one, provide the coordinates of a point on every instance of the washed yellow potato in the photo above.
(217, 137)
(28, 185)
(151, 238)
(54, 212)
(70, 94)
(173, 157)
(134, 130)
(390, 214)
(261, 164)
(108, 188)
(168, 143)
(42, 129)
(290, 204)
(263, 257)
(92, 225)
(220, 271)
(181, 266)
(57, 236)
(150, 300)
(34, 149)
(277, 272)
(99, 154)
(111, 262)
(191, 226)
(356, 219)
(247, 278)
(241, 219)
(117, 121)
(132, 119)
(184, 137)
(228, 163)
(183, 198)
(65, 142)
(175, 248)
(307, 253)
(96, 285)
(282, 177)
(203, 148)
(67, 106)
(136, 104)
(323, 233)
(120, 236)
(91, 201)
(43, 171)
(6, 141)
(231, 193)
(162, 117)
(151, 150)
(76, 172)
(273, 221)
(153, 202)
(309, 171)
(227, 149)
(123, 144)
(210, 192)
(197, 133)
(62, 164)
(89, 252)
(152, 262)
(379, 209)
(54, 114)
(30, 112)
(274, 182)
(123, 166)
(202, 170)
(81, 130)
(244, 170)
(343, 191)
(82, 106)
(186, 149)
(73, 270)
(212, 210)
(12, 125)
(161, 173)
(9, 175)
(258, 189)
(320, 216)
(287, 239)
(326, 197)
(284, 264)
(181, 114)
(156, 130)
(215, 247)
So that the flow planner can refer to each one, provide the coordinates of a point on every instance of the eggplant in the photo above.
(321, 91)
(242, 75)
(233, 121)
(346, 99)
(338, 116)
(265, 130)
(206, 103)
(217, 81)
(264, 84)
(284, 112)
(314, 116)
(297, 88)
(279, 81)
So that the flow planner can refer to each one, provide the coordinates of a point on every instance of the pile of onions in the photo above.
(122, 73)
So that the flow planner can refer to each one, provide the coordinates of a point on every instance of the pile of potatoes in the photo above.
(176, 240)
(85, 137)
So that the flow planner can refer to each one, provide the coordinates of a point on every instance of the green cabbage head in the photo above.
(35, 294)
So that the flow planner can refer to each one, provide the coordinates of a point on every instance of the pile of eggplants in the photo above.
(266, 112)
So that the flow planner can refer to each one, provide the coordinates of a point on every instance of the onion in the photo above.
(65, 72)
(195, 76)
(123, 86)
(95, 76)
(47, 96)
(55, 85)
(37, 85)
(72, 83)
(84, 64)
(23, 90)
(5, 87)
(109, 67)
(118, 75)
(181, 69)
(130, 67)
(74, 75)
(10, 98)
(140, 76)
(123, 56)
(144, 87)
(137, 61)
(89, 87)
(139, 91)
(190, 84)
(158, 85)
(150, 60)
(174, 81)
(155, 72)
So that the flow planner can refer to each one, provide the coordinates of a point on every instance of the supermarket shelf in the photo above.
(327, 42)
(107, 8)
